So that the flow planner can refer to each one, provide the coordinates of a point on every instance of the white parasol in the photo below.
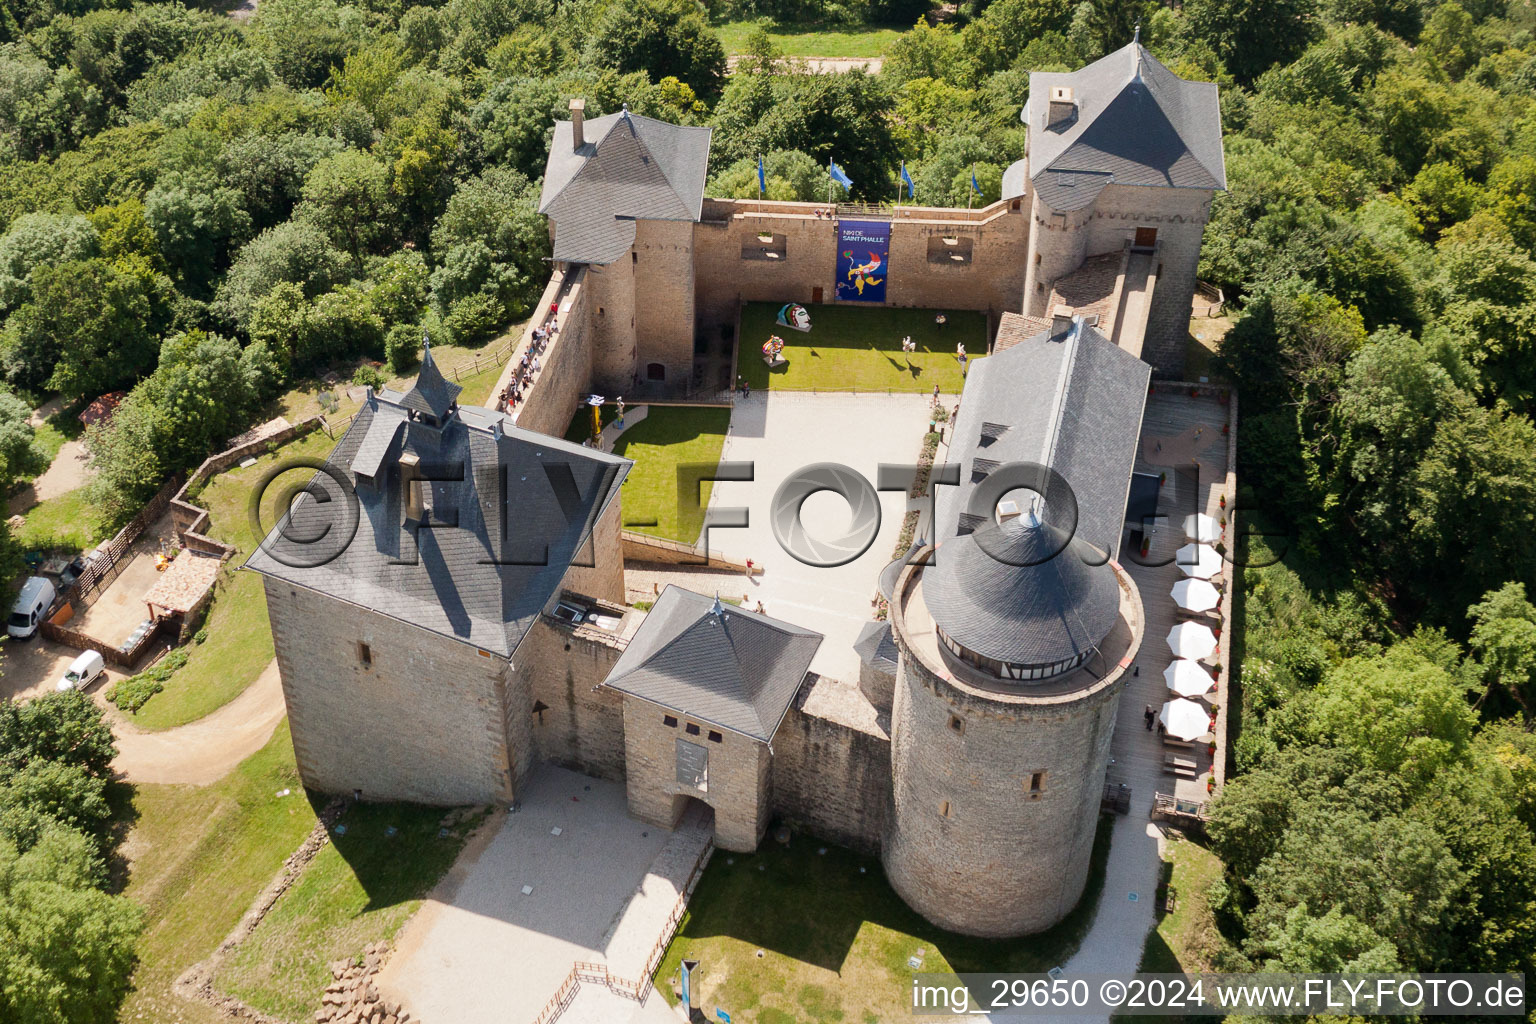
(1195, 595)
(1201, 527)
(1198, 560)
(1184, 719)
(1188, 679)
(1191, 640)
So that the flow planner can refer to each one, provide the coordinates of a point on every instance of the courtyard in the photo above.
(852, 348)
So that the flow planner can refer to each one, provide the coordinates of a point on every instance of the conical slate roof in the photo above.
(432, 394)
(714, 662)
(1022, 592)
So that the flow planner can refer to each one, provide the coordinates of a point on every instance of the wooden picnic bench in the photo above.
(1175, 765)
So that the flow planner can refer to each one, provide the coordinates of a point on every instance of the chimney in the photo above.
(1062, 109)
(578, 115)
(410, 473)
(1061, 322)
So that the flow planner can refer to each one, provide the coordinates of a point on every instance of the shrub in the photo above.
(368, 377)
(133, 693)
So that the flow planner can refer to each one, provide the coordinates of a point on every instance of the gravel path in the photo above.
(204, 751)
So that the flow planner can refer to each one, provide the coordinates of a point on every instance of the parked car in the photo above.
(31, 605)
(72, 572)
(83, 671)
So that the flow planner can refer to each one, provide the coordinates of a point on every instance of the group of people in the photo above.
(824, 214)
(529, 367)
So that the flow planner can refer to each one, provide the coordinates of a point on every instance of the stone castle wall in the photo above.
(732, 264)
(832, 778)
(582, 724)
(663, 262)
(427, 720)
(567, 362)
(737, 786)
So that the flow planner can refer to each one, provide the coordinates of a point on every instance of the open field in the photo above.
(361, 888)
(198, 856)
(812, 40)
(859, 349)
(65, 522)
(239, 643)
(796, 934)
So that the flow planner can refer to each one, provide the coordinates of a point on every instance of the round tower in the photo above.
(1014, 650)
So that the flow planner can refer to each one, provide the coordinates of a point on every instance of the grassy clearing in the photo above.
(835, 937)
(853, 349)
(198, 856)
(239, 644)
(1205, 334)
(813, 40)
(668, 437)
(66, 522)
(360, 888)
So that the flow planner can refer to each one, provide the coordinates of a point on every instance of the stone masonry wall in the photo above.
(567, 364)
(582, 727)
(604, 578)
(737, 784)
(729, 270)
(664, 300)
(425, 721)
(832, 779)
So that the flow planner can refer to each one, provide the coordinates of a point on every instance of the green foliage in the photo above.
(368, 377)
(661, 38)
(1504, 641)
(133, 693)
(65, 727)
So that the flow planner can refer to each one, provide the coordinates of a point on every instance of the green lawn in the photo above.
(362, 887)
(1185, 941)
(239, 644)
(66, 522)
(850, 348)
(199, 855)
(668, 437)
(835, 937)
(812, 40)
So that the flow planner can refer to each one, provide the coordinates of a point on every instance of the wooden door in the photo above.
(815, 295)
(1146, 238)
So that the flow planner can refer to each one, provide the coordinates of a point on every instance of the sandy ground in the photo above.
(206, 750)
(65, 473)
(494, 955)
(33, 667)
(781, 433)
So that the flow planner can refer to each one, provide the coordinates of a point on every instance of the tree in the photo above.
(1440, 195)
(66, 949)
(40, 239)
(1251, 36)
(17, 452)
(203, 394)
(792, 177)
(296, 252)
(106, 316)
(995, 40)
(195, 220)
(1450, 40)
(66, 727)
(660, 38)
(347, 197)
(491, 241)
(927, 51)
(47, 792)
(1504, 641)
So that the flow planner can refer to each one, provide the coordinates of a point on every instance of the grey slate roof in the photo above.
(432, 394)
(1072, 402)
(877, 648)
(1137, 124)
(507, 512)
(629, 168)
(716, 663)
(1028, 595)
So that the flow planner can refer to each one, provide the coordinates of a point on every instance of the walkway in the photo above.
(569, 878)
(1177, 431)
(208, 749)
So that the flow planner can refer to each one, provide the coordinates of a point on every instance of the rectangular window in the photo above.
(634, 257)
(691, 729)
(957, 724)
(670, 721)
(715, 737)
(944, 809)
(1036, 785)
(365, 654)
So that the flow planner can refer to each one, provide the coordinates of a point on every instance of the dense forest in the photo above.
(203, 211)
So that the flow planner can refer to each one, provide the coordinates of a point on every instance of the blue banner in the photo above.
(863, 253)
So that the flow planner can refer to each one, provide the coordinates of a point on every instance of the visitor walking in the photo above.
(1149, 715)
(935, 396)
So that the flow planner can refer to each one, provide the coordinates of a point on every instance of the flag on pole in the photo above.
(906, 179)
(837, 174)
(974, 186)
(762, 178)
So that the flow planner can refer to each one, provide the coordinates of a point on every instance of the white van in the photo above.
(82, 672)
(31, 605)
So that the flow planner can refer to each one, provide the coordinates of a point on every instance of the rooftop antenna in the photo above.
(718, 609)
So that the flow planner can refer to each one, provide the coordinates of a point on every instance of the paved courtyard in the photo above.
(781, 433)
(495, 955)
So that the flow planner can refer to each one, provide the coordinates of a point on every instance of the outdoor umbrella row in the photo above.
(1184, 719)
(1191, 640)
(1187, 679)
(1198, 560)
(1196, 595)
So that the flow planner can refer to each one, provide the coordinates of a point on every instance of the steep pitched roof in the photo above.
(629, 168)
(714, 662)
(1137, 123)
(432, 394)
(506, 512)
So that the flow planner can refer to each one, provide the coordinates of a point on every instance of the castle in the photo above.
(448, 608)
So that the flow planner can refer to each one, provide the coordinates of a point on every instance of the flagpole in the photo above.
(759, 177)
(970, 191)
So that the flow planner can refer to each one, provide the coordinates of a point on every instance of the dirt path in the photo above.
(204, 751)
(826, 65)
